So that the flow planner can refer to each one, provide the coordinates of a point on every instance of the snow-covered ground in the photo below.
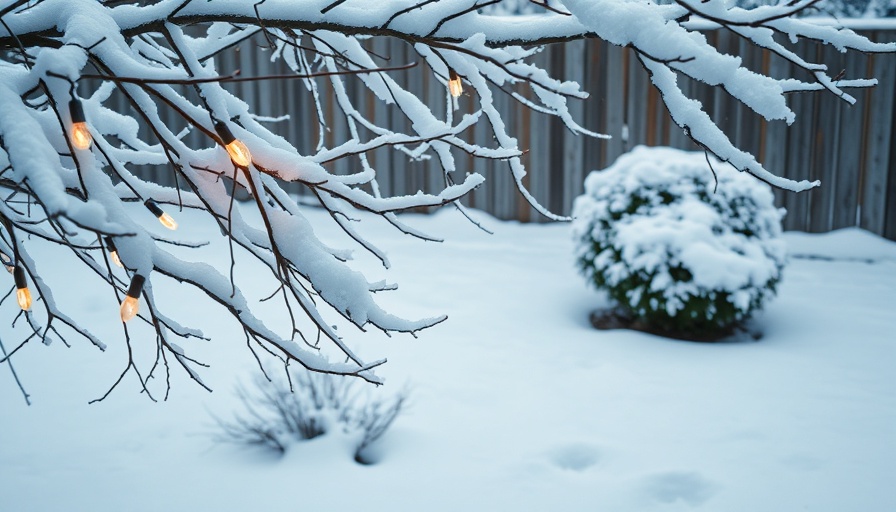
(516, 402)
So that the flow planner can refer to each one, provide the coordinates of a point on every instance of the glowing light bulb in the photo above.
(131, 303)
(129, 308)
(238, 151)
(168, 221)
(23, 294)
(81, 137)
(113, 252)
(455, 86)
(164, 218)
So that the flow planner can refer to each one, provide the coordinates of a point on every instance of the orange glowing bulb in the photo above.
(113, 251)
(23, 295)
(131, 303)
(129, 308)
(239, 153)
(163, 217)
(116, 259)
(168, 221)
(81, 137)
(80, 133)
(455, 86)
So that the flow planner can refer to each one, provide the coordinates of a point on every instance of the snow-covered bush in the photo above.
(278, 414)
(676, 249)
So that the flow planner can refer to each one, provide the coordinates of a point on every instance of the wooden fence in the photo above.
(847, 147)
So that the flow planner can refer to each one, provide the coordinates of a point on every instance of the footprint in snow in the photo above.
(575, 457)
(688, 486)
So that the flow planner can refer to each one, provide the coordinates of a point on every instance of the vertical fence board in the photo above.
(433, 176)
(636, 102)
(556, 135)
(879, 148)
(826, 139)
(382, 157)
(848, 168)
(573, 165)
(596, 104)
(499, 186)
(524, 136)
(774, 156)
(539, 169)
(890, 220)
(799, 155)
(615, 104)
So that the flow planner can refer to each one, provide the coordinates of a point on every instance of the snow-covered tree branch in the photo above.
(67, 157)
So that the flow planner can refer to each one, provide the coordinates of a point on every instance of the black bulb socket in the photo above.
(452, 74)
(110, 244)
(153, 207)
(76, 110)
(224, 132)
(19, 275)
(136, 287)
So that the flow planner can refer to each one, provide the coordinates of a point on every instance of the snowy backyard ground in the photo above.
(516, 402)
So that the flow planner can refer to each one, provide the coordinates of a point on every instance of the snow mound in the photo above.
(675, 247)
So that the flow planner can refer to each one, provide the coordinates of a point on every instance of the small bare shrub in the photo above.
(277, 414)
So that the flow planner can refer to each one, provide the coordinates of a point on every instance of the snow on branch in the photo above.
(67, 157)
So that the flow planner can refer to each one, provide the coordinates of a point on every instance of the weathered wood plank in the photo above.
(636, 102)
(827, 140)
(890, 221)
(614, 104)
(500, 187)
(523, 211)
(799, 157)
(538, 159)
(595, 85)
(848, 169)
(556, 134)
(573, 161)
(382, 114)
(878, 132)
(433, 177)
(774, 154)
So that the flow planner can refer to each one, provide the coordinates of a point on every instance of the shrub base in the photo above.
(618, 318)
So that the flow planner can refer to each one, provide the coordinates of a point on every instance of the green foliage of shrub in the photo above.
(676, 249)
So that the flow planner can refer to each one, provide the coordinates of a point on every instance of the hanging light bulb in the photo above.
(113, 252)
(81, 137)
(23, 294)
(131, 303)
(164, 218)
(455, 86)
(238, 151)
